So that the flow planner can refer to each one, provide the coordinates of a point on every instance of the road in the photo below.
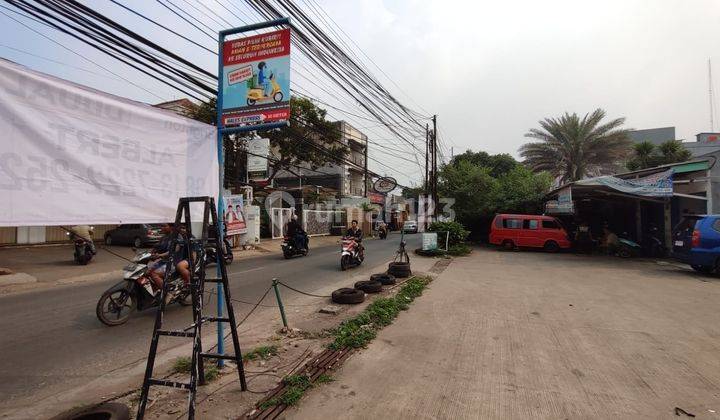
(52, 340)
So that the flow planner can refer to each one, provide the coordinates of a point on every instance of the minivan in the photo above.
(410, 226)
(696, 241)
(526, 230)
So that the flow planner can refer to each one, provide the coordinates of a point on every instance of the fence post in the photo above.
(279, 301)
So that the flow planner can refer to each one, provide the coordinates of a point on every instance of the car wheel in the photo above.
(108, 240)
(551, 246)
(137, 242)
(508, 245)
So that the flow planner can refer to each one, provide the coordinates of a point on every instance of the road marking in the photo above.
(246, 271)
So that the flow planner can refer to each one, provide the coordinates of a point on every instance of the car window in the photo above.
(550, 224)
(498, 222)
(716, 225)
(530, 224)
(512, 223)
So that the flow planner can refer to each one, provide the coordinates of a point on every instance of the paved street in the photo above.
(520, 335)
(52, 340)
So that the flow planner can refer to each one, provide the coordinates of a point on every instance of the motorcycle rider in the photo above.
(356, 233)
(84, 232)
(160, 251)
(296, 233)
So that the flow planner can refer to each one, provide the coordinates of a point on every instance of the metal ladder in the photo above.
(197, 288)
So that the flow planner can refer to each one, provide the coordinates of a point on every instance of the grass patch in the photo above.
(359, 331)
(262, 352)
(297, 385)
(459, 250)
(354, 332)
(183, 365)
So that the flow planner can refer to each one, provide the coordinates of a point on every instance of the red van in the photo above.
(527, 230)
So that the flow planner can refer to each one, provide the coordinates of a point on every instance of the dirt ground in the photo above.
(518, 335)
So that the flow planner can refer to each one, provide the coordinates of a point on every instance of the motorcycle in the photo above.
(627, 247)
(350, 253)
(227, 253)
(653, 245)
(291, 249)
(136, 292)
(382, 231)
(83, 250)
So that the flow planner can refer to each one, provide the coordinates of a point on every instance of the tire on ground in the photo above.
(384, 278)
(109, 411)
(369, 286)
(399, 269)
(348, 295)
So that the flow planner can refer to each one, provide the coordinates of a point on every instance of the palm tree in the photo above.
(644, 156)
(572, 148)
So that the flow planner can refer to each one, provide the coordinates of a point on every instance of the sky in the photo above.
(489, 70)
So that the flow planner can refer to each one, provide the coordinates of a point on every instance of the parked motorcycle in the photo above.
(83, 249)
(652, 245)
(291, 249)
(350, 253)
(136, 292)
(627, 247)
(227, 253)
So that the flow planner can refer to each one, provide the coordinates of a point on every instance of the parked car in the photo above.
(135, 235)
(696, 241)
(410, 226)
(525, 230)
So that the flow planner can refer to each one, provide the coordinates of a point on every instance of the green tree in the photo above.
(310, 139)
(498, 164)
(572, 148)
(647, 155)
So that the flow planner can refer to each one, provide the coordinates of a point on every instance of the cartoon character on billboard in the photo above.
(265, 88)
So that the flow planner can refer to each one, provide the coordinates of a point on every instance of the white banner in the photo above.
(73, 155)
(257, 163)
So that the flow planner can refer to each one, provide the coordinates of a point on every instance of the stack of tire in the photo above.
(357, 294)
(399, 269)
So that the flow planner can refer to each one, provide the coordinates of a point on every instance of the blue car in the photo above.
(696, 241)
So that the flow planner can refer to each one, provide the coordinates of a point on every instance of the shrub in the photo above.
(458, 234)
(459, 250)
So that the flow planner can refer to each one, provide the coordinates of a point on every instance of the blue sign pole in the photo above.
(221, 131)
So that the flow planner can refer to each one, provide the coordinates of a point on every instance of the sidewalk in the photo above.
(47, 265)
(531, 335)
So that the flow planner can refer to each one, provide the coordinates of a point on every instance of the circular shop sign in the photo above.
(385, 184)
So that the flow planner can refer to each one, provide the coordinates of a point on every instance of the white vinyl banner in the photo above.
(73, 155)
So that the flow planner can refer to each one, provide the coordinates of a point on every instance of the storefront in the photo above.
(636, 204)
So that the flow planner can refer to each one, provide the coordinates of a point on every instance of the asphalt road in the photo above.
(52, 340)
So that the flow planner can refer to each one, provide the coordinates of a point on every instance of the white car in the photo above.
(410, 226)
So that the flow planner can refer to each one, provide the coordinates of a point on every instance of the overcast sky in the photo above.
(489, 70)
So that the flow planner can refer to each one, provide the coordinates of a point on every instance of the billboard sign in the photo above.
(385, 184)
(256, 79)
(234, 215)
(257, 163)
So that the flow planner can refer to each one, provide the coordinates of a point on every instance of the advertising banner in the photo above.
(73, 155)
(234, 215)
(429, 241)
(256, 79)
(257, 162)
(655, 185)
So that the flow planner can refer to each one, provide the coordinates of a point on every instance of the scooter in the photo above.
(626, 247)
(83, 250)
(227, 253)
(350, 255)
(652, 244)
(291, 249)
(136, 292)
(382, 232)
(257, 93)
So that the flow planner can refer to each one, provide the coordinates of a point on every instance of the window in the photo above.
(550, 224)
(512, 223)
(716, 225)
(530, 224)
(498, 222)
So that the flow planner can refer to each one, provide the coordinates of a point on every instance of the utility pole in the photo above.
(710, 96)
(427, 158)
(365, 186)
(434, 171)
